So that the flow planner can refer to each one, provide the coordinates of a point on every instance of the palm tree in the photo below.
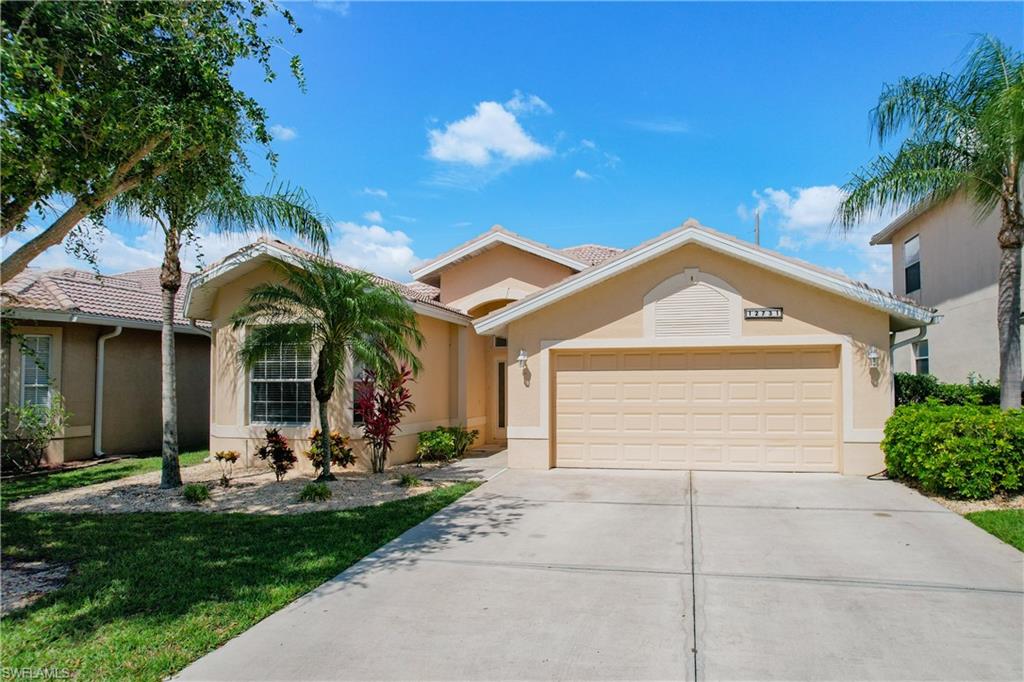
(345, 315)
(965, 133)
(179, 202)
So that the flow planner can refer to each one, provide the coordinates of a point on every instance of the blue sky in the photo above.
(424, 124)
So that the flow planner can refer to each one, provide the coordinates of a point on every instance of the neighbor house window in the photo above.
(35, 369)
(921, 357)
(912, 265)
(281, 386)
(500, 342)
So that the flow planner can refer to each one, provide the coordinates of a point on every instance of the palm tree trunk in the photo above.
(170, 282)
(1011, 236)
(325, 443)
(1008, 316)
(323, 388)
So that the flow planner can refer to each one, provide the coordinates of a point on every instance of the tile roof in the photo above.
(415, 291)
(131, 295)
(591, 254)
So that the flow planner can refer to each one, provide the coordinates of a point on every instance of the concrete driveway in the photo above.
(582, 575)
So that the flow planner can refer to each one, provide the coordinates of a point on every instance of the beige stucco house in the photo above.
(95, 340)
(945, 257)
(694, 350)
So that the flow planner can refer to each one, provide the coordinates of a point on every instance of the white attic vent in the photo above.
(697, 310)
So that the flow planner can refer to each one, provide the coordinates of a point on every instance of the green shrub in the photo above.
(444, 443)
(26, 431)
(463, 438)
(918, 388)
(341, 452)
(315, 492)
(195, 493)
(409, 481)
(436, 445)
(966, 451)
(276, 449)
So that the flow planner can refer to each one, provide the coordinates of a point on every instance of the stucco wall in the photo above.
(434, 390)
(959, 268)
(131, 414)
(613, 311)
(502, 272)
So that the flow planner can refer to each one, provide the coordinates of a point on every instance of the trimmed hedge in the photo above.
(965, 451)
(918, 388)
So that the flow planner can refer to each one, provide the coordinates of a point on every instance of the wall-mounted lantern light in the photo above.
(873, 357)
(522, 358)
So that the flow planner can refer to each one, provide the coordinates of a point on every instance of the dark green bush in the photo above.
(195, 493)
(315, 492)
(965, 451)
(917, 388)
(444, 443)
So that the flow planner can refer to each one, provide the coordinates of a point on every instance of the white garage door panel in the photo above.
(770, 409)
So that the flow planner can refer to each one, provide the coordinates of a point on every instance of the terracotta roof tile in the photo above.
(131, 295)
(592, 254)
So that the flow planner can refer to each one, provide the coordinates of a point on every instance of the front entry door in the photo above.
(499, 401)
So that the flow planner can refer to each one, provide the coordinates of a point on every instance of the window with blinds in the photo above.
(35, 369)
(281, 386)
(697, 310)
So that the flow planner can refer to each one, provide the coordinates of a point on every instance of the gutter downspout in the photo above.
(921, 332)
(97, 419)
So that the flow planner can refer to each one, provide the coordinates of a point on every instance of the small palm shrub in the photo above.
(315, 492)
(963, 451)
(277, 453)
(341, 452)
(409, 481)
(226, 459)
(463, 438)
(195, 493)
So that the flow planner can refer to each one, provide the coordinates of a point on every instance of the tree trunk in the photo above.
(51, 236)
(1008, 303)
(170, 282)
(325, 444)
(323, 389)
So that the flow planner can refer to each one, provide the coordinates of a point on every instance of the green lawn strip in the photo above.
(20, 488)
(150, 593)
(1005, 524)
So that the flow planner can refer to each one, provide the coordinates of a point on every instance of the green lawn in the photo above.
(75, 478)
(1005, 524)
(150, 593)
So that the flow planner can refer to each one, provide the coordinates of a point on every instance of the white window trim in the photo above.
(280, 425)
(25, 357)
(914, 348)
(14, 386)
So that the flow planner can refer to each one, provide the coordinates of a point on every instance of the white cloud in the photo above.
(336, 6)
(373, 216)
(589, 144)
(282, 133)
(375, 249)
(373, 192)
(582, 175)
(525, 103)
(667, 126)
(490, 133)
(803, 217)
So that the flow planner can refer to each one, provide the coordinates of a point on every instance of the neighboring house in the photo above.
(96, 341)
(694, 350)
(945, 257)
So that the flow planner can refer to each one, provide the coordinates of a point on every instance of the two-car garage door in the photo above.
(739, 409)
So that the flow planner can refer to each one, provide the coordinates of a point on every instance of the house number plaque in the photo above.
(762, 313)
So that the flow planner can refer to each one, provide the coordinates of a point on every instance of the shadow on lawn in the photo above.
(191, 570)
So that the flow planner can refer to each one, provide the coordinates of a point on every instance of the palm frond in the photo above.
(281, 208)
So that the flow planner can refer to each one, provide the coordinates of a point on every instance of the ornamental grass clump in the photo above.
(315, 492)
(195, 493)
